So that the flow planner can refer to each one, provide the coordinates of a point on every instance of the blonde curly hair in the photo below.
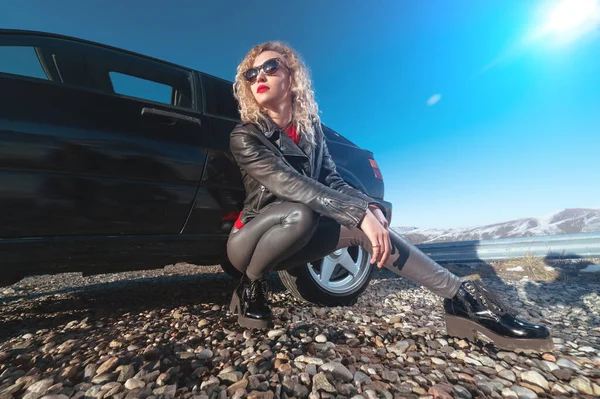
(305, 112)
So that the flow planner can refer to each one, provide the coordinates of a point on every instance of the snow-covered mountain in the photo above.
(567, 221)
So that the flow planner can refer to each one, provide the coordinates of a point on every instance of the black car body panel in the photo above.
(96, 180)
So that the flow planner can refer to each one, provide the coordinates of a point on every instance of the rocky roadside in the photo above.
(162, 334)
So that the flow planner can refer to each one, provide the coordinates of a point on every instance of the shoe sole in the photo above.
(463, 328)
(235, 308)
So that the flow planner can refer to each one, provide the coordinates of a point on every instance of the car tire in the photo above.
(342, 288)
(230, 270)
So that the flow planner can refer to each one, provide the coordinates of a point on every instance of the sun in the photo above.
(571, 18)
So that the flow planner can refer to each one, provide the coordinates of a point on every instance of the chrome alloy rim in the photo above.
(342, 271)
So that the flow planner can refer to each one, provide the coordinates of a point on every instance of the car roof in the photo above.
(93, 43)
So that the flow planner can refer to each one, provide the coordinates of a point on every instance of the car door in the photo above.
(221, 191)
(94, 140)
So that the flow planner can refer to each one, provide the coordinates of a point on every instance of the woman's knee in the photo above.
(302, 217)
(235, 256)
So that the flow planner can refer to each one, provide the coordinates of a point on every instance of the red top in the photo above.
(295, 136)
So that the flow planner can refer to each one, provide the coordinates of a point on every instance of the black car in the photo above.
(114, 161)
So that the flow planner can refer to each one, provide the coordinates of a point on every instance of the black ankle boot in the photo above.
(250, 303)
(476, 308)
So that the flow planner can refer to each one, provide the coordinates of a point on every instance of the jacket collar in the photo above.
(285, 144)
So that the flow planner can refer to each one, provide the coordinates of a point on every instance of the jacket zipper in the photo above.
(328, 202)
(262, 192)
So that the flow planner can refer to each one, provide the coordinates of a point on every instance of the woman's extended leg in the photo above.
(405, 260)
(470, 307)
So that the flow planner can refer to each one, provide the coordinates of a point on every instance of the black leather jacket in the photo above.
(275, 169)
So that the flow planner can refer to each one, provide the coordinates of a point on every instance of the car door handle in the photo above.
(169, 116)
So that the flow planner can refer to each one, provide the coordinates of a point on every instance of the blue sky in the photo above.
(514, 133)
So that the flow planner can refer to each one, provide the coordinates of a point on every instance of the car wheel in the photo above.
(230, 270)
(335, 280)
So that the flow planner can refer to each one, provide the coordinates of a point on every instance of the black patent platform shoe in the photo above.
(250, 302)
(475, 308)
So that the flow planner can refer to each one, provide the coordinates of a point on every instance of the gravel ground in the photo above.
(167, 333)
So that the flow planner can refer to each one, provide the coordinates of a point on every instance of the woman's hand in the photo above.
(379, 215)
(379, 237)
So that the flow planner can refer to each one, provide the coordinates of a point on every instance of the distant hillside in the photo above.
(567, 221)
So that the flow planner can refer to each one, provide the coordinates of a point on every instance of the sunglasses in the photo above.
(269, 67)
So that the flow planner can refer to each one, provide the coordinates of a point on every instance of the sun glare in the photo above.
(572, 18)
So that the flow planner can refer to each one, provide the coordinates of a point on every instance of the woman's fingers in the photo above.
(387, 245)
(383, 249)
(379, 249)
(376, 251)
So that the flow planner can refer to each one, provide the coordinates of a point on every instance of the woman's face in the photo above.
(271, 90)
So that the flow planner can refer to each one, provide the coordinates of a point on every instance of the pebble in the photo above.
(108, 365)
(563, 374)
(549, 357)
(470, 360)
(361, 378)
(320, 383)
(550, 366)
(338, 370)
(202, 323)
(441, 392)
(321, 338)
(230, 377)
(507, 356)
(204, 354)
(462, 392)
(524, 393)
(566, 363)
(558, 389)
(509, 394)
(310, 360)
(507, 375)
(134, 383)
(536, 378)
(400, 347)
(274, 334)
(102, 378)
(583, 385)
(462, 344)
(40, 387)
(488, 387)
(390, 376)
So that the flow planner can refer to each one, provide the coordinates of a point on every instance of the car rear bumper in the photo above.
(388, 209)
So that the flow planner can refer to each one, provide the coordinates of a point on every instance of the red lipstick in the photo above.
(262, 88)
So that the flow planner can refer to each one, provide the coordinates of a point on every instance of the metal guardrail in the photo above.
(581, 245)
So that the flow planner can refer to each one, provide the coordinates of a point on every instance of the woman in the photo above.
(298, 209)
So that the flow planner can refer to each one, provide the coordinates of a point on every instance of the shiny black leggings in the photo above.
(290, 234)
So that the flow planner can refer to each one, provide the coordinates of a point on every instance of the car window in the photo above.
(21, 60)
(141, 88)
(138, 77)
(219, 98)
